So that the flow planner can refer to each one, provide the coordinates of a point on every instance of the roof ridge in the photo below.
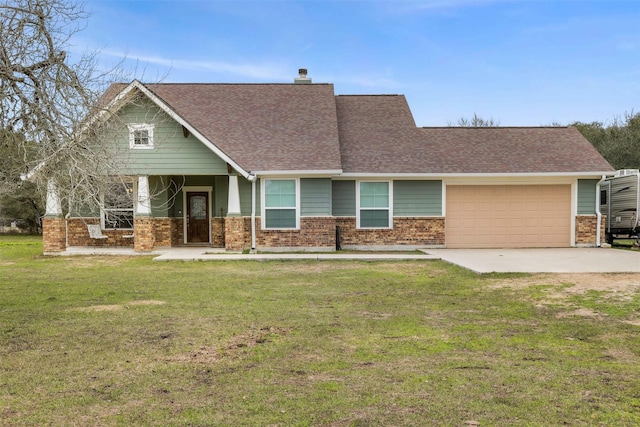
(495, 127)
(371, 94)
(232, 84)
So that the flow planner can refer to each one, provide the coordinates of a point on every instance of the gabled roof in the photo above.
(510, 150)
(260, 127)
(306, 129)
(378, 136)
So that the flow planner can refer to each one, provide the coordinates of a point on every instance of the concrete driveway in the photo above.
(569, 260)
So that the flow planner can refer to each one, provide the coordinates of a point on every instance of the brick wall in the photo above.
(314, 232)
(586, 230)
(234, 232)
(321, 233)
(54, 238)
(177, 232)
(79, 235)
(217, 232)
(145, 240)
(406, 231)
(163, 230)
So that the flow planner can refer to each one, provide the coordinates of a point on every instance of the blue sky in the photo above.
(522, 63)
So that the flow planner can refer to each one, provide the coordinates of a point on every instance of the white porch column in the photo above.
(143, 207)
(234, 197)
(53, 207)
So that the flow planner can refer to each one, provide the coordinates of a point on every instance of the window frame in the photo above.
(359, 208)
(140, 127)
(265, 208)
(104, 209)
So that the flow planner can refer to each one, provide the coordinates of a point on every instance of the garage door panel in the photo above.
(508, 216)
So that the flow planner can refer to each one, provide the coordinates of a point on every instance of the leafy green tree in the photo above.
(618, 142)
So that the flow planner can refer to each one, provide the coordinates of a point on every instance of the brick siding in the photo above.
(79, 235)
(54, 235)
(145, 240)
(234, 233)
(314, 232)
(406, 231)
(217, 232)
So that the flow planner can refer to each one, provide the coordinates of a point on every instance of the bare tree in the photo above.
(51, 107)
(43, 97)
(476, 121)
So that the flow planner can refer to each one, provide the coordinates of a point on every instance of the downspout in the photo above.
(598, 213)
(252, 179)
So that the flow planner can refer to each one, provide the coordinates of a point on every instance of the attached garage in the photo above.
(508, 216)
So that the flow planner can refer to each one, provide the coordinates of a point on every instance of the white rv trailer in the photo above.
(620, 202)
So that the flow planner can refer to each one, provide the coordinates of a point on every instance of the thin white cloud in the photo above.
(436, 5)
(253, 71)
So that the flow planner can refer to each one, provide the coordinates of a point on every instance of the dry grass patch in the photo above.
(580, 282)
(117, 307)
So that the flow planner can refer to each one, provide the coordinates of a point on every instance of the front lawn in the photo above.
(125, 341)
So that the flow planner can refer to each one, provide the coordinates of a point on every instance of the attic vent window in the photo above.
(140, 136)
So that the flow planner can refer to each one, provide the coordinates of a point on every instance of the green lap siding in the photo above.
(172, 153)
(315, 197)
(587, 196)
(343, 198)
(245, 196)
(417, 198)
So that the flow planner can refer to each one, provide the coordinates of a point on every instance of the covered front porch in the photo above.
(165, 212)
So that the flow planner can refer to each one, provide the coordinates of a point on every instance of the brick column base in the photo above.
(234, 233)
(54, 236)
(144, 234)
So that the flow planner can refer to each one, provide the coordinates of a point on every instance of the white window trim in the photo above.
(103, 210)
(390, 207)
(133, 128)
(263, 208)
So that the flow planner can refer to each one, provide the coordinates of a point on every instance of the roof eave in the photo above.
(579, 174)
(302, 172)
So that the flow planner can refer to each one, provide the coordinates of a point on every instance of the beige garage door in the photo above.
(508, 216)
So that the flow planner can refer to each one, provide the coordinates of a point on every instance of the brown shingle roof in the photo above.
(377, 135)
(262, 126)
(510, 150)
(289, 127)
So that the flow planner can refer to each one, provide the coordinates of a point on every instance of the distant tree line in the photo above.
(618, 141)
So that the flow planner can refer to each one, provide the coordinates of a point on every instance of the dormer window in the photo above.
(140, 135)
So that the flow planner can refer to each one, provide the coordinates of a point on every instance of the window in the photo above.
(280, 203)
(118, 209)
(141, 136)
(603, 197)
(374, 205)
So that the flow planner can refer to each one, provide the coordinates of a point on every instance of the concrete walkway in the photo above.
(549, 260)
(563, 260)
(214, 254)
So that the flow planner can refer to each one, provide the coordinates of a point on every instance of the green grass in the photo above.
(121, 341)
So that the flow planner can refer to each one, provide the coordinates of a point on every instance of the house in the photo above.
(295, 167)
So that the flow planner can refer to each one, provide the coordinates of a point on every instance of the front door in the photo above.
(197, 217)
